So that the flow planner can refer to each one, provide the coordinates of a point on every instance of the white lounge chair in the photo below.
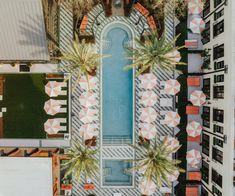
(63, 128)
(166, 102)
(63, 102)
(63, 110)
(63, 92)
(62, 120)
(63, 84)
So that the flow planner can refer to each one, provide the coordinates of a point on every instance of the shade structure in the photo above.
(148, 98)
(147, 187)
(88, 99)
(174, 56)
(90, 84)
(87, 131)
(198, 98)
(194, 129)
(171, 87)
(172, 142)
(87, 115)
(148, 81)
(52, 126)
(197, 25)
(193, 157)
(172, 119)
(52, 106)
(195, 6)
(148, 115)
(147, 130)
(174, 176)
(53, 88)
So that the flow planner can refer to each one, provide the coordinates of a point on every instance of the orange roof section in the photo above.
(192, 191)
(193, 81)
(194, 175)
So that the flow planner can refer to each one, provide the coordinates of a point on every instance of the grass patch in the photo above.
(24, 98)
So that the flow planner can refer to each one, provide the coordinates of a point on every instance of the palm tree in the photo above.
(81, 159)
(153, 52)
(157, 162)
(81, 59)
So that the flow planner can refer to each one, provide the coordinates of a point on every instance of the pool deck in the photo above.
(117, 152)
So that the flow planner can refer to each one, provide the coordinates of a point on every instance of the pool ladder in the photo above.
(116, 140)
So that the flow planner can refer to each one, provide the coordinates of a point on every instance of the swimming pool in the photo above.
(117, 88)
(115, 173)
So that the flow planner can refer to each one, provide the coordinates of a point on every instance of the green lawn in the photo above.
(24, 98)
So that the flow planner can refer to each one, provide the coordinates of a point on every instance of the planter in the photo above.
(145, 71)
(92, 72)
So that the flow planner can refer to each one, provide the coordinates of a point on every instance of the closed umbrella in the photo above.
(147, 187)
(195, 6)
(87, 115)
(148, 81)
(193, 157)
(147, 131)
(172, 119)
(148, 115)
(197, 25)
(171, 87)
(88, 99)
(52, 126)
(194, 129)
(92, 85)
(52, 106)
(149, 98)
(198, 98)
(53, 88)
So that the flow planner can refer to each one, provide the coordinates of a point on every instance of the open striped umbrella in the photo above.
(174, 176)
(53, 88)
(174, 56)
(148, 115)
(88, 131)
(52, 106)
(172, 119)
(197, 98)
(193, 157)
(194, 129)
(147, 187)
(197, 25)
(92, 85)
(52, 126)
(171, 87)
(148, 81)
(195, 6)
(88, 99)
(87, 115)
(147, 130)
(149, 98)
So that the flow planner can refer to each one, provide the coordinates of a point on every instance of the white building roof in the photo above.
(22, 31)
(25, 176)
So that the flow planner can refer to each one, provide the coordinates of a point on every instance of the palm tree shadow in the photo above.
(33, 34)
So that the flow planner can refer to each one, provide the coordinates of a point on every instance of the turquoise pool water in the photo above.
(116, 175)
(117, 87)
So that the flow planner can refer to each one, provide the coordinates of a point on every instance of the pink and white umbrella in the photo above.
(195, 6)
(92, 85)
(194, 129)
(197, 98)
(147, 187)
(174, 176)
(172, 142)
(88, 99)
(52, 106)
(147, 131)
(53, 88)
(52, 126)
(197, 25)
(149, 98)
(172, 119)
(88, 131)
(87, 115)
(171, 87)
(193, 157)
(148, 81)
(174, 56)
(148, 115)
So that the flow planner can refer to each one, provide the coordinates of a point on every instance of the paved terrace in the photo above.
(113, 151)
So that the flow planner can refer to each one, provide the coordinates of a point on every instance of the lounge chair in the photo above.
(194, 176)
(192, 190)
(63, 92)
(193, 110)
(63, 110)
(63, 84)
(62, 120)
(166, 102)
(193, 81)
(191, 44)
(63, 102)
(63, 128)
